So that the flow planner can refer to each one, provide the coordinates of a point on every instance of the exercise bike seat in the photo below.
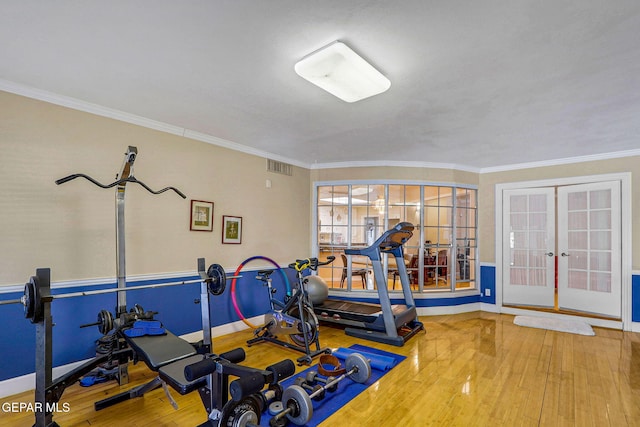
(160, 350)
(264, 274)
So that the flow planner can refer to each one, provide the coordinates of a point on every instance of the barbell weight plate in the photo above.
(32, 300)
(27, 301)
(278, 422)
(241, 413)
(297, 398)
(275, 407)
(363, 371)
(217, 279)
(137, 310)
(247, 418)
(105, 322)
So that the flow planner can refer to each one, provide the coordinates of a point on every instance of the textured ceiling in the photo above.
(474, 84)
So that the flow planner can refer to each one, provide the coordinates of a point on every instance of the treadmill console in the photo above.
(390, 242)
(395, 237)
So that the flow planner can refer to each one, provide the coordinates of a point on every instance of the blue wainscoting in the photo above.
(488, 284)
(635, 298)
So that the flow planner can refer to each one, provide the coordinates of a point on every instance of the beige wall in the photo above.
(395, 173)
(71, 228)
(488, 182)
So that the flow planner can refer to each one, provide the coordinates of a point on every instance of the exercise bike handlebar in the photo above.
(312, 263)
(118, 182)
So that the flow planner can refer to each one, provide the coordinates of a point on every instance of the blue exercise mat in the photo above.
(377, 361)
(381, 363)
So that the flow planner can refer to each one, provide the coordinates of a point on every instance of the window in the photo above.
(441, 254)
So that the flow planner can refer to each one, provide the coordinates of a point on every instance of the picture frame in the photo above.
(231, 229)
(201, 218)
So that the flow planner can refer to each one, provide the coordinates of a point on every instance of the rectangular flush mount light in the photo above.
(341, 72)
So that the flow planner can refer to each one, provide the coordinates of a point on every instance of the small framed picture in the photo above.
(201, 215)
(231, 229)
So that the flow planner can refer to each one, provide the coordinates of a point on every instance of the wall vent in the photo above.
(279, 167)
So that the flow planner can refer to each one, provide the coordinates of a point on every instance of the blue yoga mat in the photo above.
(381, 363)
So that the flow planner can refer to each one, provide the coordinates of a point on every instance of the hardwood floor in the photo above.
(473, 369)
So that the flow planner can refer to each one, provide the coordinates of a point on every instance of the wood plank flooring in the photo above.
(473, 369)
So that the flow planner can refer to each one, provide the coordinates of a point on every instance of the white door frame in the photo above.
(626, 270)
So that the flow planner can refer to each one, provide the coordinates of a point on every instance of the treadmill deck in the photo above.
(333, 310)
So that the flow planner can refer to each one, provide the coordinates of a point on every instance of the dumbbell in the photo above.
(312, 389)
(313, 377)
(297, 403)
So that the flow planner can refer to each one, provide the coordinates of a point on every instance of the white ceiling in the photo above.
(474, 84)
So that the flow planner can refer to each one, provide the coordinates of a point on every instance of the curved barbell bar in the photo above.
(118, 182)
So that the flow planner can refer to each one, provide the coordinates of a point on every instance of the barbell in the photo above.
(32, 299)
(297, 402)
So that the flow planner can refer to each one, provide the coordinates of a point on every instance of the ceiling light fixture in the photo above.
(341, 72)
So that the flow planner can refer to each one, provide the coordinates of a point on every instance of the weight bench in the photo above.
(183, 369)
(166, 354)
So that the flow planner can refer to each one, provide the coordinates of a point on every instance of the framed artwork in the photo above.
(201, 215)
(231, 229)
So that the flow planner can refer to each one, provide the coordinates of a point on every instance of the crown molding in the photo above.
(563, 161)
(394, 163)
(76, 104)
(111, 113)
(214, 140)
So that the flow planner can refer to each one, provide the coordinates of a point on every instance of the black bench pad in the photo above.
(173, 374)
(160, 350)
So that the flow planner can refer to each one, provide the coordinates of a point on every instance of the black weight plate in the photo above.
(32, 301)
(105, 322)
(239, 414)
(137, 310)
(217, 279)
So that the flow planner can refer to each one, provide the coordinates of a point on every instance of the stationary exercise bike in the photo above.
(294, 316)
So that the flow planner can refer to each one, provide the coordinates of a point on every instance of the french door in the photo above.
(528, 247)
(589, 262)
(588, 247)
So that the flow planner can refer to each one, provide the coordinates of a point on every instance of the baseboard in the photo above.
(28, 382)
(451, 309)
(491, 308)
(225, 329)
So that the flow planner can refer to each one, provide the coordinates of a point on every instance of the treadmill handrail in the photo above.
(390, 240)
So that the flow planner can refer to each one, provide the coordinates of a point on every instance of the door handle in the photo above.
(549, 254)
(564, 254)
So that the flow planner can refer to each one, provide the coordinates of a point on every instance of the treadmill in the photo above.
(385, 323)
